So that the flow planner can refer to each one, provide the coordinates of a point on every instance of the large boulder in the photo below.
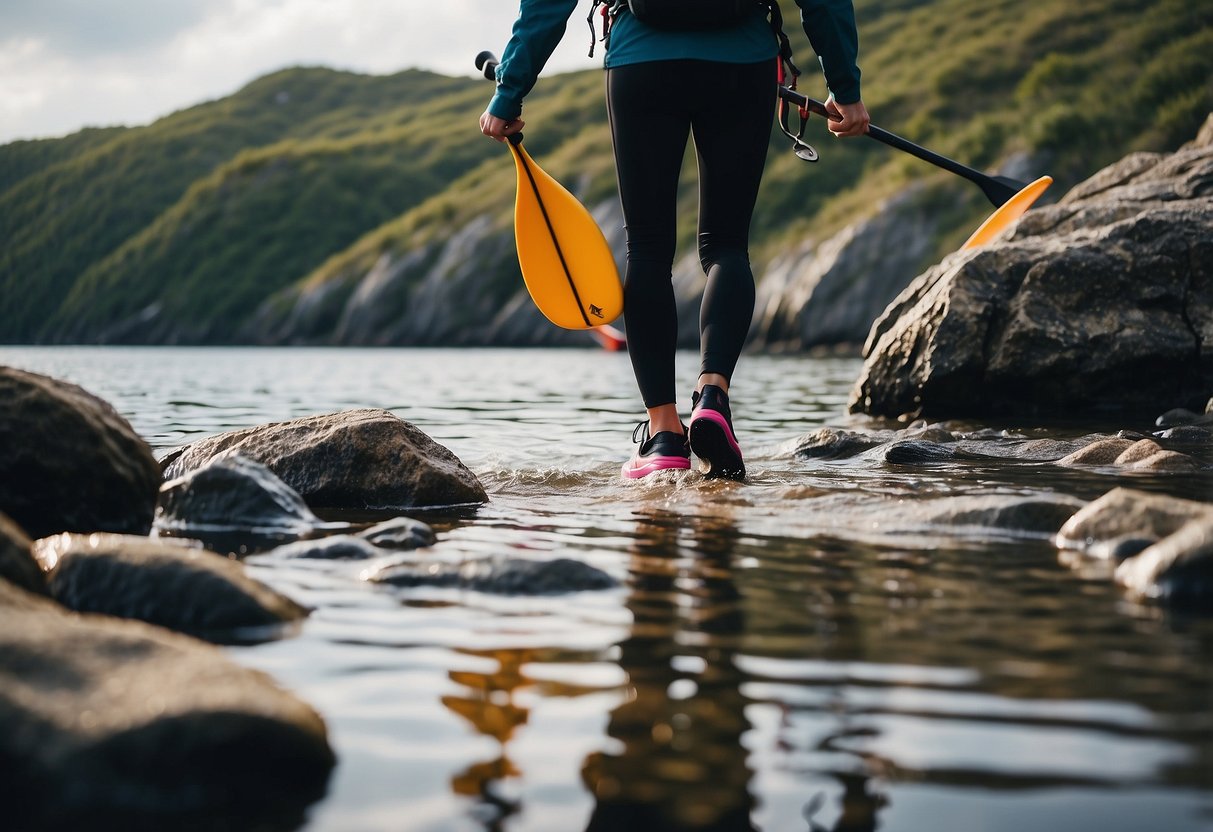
(1101, 302)
(108, 724)
(191, 590)
(17, 564)
(69, 462)
(356, 459)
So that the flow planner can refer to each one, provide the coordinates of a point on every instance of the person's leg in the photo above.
(731, 139)
(649, 133)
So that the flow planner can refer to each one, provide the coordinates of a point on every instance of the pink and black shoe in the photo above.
(711, 434)
(665, 451)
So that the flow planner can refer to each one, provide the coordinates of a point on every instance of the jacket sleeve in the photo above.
(830, 25)
(537, 31)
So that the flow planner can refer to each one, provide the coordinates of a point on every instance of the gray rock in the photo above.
(229, 495)
(338, 547)
(835, 443)
(109, 724)
(1188, 434)
(1102, 302)
(17, 564)
(356, 459)
(1124, 521)
(1179, 416)
(400, 533)
(69, 462)
(917, 451)
(169, 584)
(830, 293)
(1042, 514)
(501, 576)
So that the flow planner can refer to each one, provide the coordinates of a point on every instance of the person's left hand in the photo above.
(499, 128)
(854, 118)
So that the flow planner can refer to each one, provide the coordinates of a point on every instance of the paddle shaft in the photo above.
(996, 191)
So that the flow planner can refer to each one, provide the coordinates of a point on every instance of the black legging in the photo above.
(653, 108)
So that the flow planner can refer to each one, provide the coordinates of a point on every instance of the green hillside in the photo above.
(180, 230)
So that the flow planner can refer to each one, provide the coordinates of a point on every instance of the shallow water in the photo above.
(770, 663)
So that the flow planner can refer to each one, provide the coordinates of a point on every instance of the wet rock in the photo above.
(501, 576)
(1102, 302)
(1177, 569)
(233, 495)
(17, 565)
(1148, 455)
(1188, 434)
(356, 459)
(338, 547)
(1042, 514)
(400, 533)
(109, 724)
(1181, 416)
(1124, 521)
(834, 443)
(916, 452)
(190, 590)
(69, 462)
(1100, 452)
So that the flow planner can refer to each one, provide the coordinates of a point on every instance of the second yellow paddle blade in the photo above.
(1008, 212)
(567, 265)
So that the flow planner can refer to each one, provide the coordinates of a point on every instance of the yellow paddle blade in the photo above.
(567, 265)
(1008, 212)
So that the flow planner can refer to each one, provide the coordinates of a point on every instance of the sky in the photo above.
(67, 64)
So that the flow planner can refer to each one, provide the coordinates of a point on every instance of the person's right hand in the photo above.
(499, 128)
(854, 120)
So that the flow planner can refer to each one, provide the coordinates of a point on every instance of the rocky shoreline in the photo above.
(119, 574)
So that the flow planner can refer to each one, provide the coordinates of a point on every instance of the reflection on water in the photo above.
(789, 654)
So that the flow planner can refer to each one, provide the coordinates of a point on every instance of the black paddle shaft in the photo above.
(998, 189)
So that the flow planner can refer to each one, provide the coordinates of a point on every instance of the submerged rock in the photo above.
(1164, 545)
(356, 459)
(400, 533)
(1125, 521)
(1101, 302)
(69, 462)
(17, 564)
(501, 576)
(181, 588)
(120, 725)
(233, 494)
(338, 547)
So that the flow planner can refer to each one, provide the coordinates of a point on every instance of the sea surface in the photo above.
(768, 663)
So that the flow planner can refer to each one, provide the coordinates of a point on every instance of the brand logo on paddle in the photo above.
(596, 311)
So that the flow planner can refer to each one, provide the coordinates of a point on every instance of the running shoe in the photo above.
(711, 434)
(666, 451)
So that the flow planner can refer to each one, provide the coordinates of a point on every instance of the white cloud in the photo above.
(65, 64)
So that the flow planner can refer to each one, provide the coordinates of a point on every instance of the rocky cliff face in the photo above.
(1101, 302)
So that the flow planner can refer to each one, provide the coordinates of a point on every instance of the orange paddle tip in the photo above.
(1008, 213)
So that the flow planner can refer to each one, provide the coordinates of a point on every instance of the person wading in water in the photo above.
(732, 50)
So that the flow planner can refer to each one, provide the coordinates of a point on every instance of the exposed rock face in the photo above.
(356, 459)
(1164, 546)
(233, 494)
(189, 590)
(831, 293)
(1101, 302)
(69, 462)
(116, 724)
(501, 576)
(17, 565)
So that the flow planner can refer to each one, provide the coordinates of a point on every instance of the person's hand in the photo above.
(854, 118)
(499, 128)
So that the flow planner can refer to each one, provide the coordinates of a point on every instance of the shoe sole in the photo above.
(712, 441)
(654, 464)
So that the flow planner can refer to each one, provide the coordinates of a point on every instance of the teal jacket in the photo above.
(830, 25)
